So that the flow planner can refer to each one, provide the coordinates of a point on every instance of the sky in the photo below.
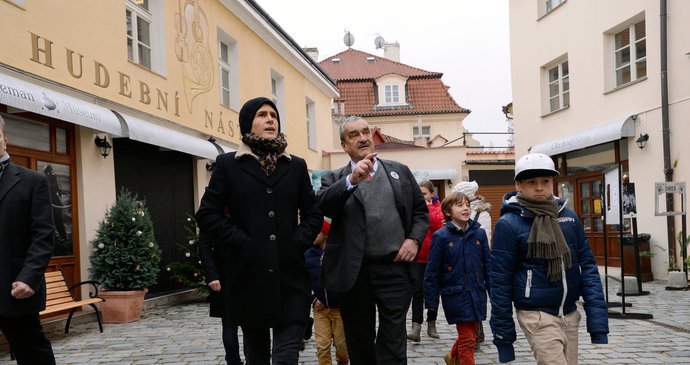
(466, 40)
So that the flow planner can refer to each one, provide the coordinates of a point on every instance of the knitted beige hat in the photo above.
(469, 188)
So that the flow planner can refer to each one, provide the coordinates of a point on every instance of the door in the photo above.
(588, 207)
(47, 146)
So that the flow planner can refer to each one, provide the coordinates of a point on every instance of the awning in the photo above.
(38, 99)
(435, 174)
(147, 132)
(592, 136)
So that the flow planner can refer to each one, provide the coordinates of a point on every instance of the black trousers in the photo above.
(418, 297)
(382, 286)
(27, 341)
(286, 342)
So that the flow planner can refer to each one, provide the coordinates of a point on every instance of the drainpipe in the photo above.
(668, 169)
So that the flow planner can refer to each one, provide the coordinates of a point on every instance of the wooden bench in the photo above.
(59, 297)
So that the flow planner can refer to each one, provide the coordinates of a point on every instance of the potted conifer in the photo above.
(124, 258)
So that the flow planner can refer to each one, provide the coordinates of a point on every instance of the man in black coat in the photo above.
(370, 251)
(271, 219)
(26, 244)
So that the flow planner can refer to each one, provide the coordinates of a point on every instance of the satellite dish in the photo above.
(349, 39)
(379, 42)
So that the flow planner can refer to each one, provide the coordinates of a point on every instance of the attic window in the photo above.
(371, 59)
(335, 60)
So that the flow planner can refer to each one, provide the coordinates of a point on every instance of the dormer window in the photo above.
(392, 94)
(335, 60)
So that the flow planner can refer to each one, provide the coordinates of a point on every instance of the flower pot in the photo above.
(122, 306)
(631, 261)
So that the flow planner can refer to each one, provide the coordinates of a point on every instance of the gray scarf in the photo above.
(546, 240)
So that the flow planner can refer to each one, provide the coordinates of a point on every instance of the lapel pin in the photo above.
(395, 175)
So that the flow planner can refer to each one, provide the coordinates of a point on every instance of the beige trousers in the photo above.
(553, 342)
(328, 329)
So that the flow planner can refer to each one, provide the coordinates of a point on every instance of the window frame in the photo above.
(416, 133)
(391, 94)
(310, 109)
(278, 96)
(233, 85)
(562, 82)
(632, 47)
(138, 11)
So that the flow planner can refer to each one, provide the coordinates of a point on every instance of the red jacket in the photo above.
(435, 222)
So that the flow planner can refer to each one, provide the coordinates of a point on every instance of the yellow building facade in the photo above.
(162, 82)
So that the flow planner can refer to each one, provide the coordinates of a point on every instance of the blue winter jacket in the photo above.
(522, 281)
(313, 259)
(457, 269)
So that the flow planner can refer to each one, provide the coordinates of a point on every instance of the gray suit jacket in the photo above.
(26, 238)
(345, 248)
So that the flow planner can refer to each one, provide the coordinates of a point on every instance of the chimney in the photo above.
(313, 52)
(392, 51)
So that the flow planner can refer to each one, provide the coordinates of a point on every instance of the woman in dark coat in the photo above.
(271, 220)
(214, 260)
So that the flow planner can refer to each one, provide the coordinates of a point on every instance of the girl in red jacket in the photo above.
(435, 222)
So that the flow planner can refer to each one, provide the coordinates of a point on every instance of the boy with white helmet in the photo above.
(541, 263)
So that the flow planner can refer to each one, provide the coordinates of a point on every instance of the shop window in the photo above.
(27, 133)
(594, 158)
(59, 186)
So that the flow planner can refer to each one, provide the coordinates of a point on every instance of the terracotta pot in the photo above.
(122, 306)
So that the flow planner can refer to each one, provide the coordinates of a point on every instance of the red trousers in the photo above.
(463, 348)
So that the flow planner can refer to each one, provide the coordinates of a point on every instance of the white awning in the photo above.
(435, 174)
(592, 136)
(41, 100)
(148, 132)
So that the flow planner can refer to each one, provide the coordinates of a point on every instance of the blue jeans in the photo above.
(231, 344)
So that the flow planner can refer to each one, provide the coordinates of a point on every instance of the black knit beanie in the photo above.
(248, 112)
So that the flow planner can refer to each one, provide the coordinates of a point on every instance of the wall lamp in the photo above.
(642, 140)
(103, 145)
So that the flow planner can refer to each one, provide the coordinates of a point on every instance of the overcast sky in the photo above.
(466, 40)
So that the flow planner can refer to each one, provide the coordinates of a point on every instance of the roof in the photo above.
(356, 72)
(353, 65)
(385, 142)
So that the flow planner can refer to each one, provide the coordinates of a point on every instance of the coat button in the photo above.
(269, 190)
(271, 214)
(272, 237)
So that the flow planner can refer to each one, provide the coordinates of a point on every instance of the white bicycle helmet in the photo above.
(534, 165)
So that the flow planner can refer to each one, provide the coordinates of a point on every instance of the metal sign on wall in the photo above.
(663, 188)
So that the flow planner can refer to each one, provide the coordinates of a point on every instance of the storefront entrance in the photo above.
(47, 145)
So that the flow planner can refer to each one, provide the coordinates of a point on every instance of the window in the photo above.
(392, 94)
(227, 69)
(630, 53)
(425, 133)
(311, 124)
(558, 86)
(139, 21)
(549, 5)
(278, 97)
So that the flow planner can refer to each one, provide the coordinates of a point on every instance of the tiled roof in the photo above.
(353, 65)
(355, 74)
(425, 96)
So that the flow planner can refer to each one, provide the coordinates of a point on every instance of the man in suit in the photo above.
(370, 252)
(26, 244)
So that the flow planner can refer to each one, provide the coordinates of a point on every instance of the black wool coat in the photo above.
(270, 222)
(26, 238)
